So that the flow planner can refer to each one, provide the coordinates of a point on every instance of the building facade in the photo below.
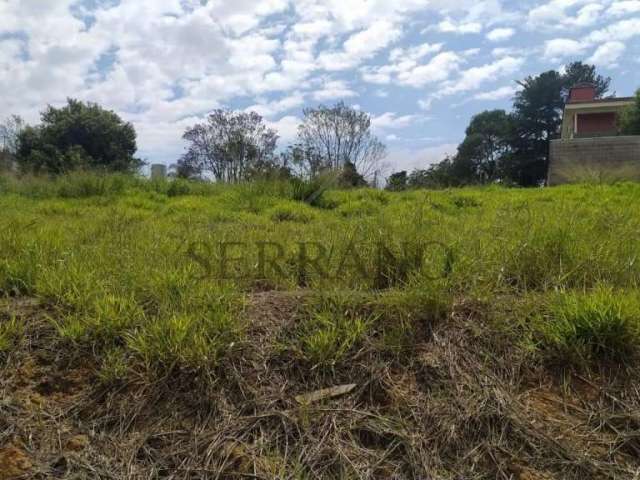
(590, 147)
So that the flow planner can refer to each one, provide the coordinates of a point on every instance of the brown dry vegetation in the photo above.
(467, 403)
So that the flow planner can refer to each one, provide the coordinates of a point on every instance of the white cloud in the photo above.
(624, 7)
(269, 109)
(287, 128)
(334, 90)
(501, 93)
(559, 48)
(607, 54)
(439, 68)
(165, 64)
(390, 120)
(473, 78)
(361, 46)
(560, 14)
(449, 26)
(619, 31)
(410, 159)
(500, 34)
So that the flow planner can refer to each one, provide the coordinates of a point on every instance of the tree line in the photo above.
(227, 146)
(513, 147)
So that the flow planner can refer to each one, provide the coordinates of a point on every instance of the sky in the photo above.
(420, 68)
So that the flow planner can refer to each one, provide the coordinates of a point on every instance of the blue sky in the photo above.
(421, 68)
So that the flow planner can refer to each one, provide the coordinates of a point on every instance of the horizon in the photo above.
(420, 68)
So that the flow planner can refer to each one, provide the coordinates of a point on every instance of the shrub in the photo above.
(291, 212)
(309, 191)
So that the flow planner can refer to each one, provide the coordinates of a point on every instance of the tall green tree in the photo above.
(578, 72)
(630, 121)
(485, 145)
(397, 181)
(537, 113)
(78, 135)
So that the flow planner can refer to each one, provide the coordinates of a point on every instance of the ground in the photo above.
(513, 355)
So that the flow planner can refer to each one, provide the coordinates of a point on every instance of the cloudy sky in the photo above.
(422, 68)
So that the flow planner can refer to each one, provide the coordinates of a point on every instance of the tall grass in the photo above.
(593, 327)
(112, 255)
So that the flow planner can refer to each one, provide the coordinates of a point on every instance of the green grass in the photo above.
(593, 327)
(10, 331)
(128, 266)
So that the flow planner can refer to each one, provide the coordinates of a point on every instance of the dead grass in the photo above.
(464, 401)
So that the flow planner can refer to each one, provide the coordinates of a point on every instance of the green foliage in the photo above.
(630, 119)
(78, 136)
(350, 178)
(329, 335)
(588, 328)
(397, 181)
(311, 191)
(110, 256)
(484, 147)
(513, 148)
(291, 212)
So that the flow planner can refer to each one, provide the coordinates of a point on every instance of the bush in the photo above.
(291, 212)
(309, 191)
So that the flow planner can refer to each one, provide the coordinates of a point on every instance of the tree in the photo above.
(484, 147)
(630, 120)
(185, 170)
(438, 175)
(9, 134)
(397, 181)
(78, 135)
(350, 178)
(537, 115)
(578, 72)
(229, 145)
(332, 136)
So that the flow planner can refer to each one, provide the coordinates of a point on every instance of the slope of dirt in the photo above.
(465, 405)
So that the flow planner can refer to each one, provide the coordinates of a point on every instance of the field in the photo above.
(283, 330)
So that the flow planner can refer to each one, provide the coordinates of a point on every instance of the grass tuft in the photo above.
(584, 329)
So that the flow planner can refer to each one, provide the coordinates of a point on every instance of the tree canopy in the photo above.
(78, 135)
(331, 137)
(9, 134)
(229, 145)
(513, 147)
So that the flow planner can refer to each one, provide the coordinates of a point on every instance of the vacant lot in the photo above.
(285, 330)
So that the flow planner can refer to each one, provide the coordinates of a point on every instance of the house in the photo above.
(590, 147)
(585, 116)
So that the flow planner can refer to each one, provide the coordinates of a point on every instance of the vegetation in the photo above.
(630, 121)
(230, 145)
(201, 311)
(77, 136)
(10, 131)
(513, 148)
(331, 137)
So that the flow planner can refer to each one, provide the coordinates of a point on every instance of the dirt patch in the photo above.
(14, 463)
